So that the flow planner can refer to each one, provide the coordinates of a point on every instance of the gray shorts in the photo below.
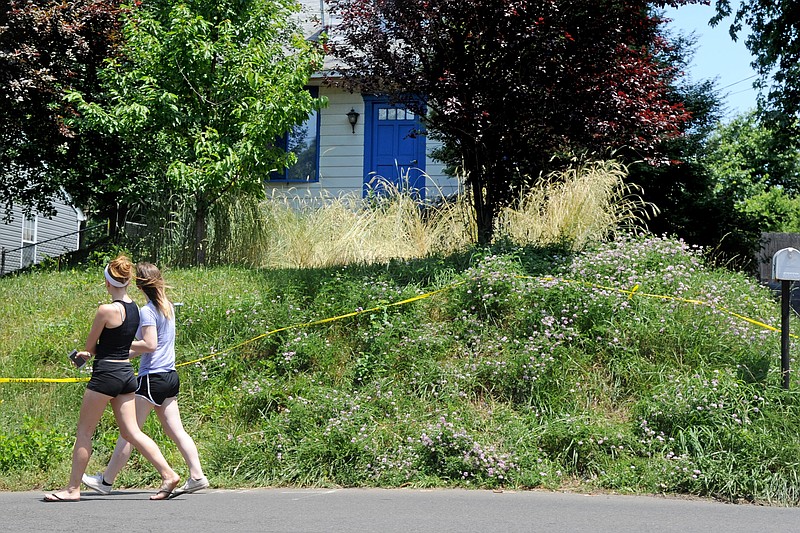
(157, 387)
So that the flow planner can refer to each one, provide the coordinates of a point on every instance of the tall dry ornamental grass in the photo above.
(588, 202)
(335, 231)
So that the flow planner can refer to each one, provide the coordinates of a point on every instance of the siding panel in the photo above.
(54, 235)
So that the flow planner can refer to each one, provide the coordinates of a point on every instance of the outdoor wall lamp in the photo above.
(352, 118)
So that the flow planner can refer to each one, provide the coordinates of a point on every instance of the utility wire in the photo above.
(742, 91)
(738, 82)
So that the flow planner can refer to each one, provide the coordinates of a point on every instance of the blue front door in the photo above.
(394, 150)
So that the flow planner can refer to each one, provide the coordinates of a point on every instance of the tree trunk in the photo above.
(482, 202)
(484, 218)
(200, 235)
(116, 221)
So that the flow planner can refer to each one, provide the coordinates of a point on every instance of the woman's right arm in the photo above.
(99, 322)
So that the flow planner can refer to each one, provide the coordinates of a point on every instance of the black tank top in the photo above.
(115, 343)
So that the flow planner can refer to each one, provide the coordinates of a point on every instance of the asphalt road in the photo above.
(384, 511)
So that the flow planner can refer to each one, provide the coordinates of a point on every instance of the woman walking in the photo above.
(113, 382)
(158, 384)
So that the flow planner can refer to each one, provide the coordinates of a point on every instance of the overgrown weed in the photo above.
(537, 367)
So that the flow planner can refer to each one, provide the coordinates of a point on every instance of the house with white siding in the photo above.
(28, 239)
(357, 142)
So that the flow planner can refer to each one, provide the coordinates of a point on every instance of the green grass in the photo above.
(507, 378)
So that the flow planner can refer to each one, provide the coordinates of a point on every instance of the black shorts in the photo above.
(157, 387)
(112, 378)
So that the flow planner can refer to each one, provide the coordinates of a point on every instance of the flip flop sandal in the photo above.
(162, 494)
(53, 498)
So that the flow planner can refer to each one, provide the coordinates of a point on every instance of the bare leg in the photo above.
(170, 417)
(123, 449)
(92, 409)
(125, 411)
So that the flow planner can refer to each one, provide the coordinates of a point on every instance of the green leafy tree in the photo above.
(774, 210)
(692, 205)
(748, 157)
(199, 94)
(751, 166)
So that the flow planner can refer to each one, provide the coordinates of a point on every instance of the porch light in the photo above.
(352, 118)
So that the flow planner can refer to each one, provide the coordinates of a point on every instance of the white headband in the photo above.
(112, 281)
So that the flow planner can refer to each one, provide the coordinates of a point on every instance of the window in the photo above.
(395, 114)
(303, 140)
(28, 255)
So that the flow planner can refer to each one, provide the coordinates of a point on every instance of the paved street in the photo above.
(380, 510)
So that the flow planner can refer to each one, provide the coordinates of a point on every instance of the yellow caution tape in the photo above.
(635, 288)
(42, 380)
(636, 291)
(248, 341)
(323, 321)
(630, 292)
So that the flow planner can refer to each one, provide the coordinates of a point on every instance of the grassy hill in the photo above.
(625, 367)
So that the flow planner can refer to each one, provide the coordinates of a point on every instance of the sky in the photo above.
(717, 56)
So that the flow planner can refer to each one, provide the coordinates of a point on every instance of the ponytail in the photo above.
(149, 279)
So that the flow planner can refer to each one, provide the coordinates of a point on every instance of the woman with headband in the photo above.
(113, 382)
(158, 384)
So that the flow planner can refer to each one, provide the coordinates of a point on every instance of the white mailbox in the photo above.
(786, 264)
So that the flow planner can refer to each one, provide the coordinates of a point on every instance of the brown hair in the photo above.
(149, 279)
(121, 269)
